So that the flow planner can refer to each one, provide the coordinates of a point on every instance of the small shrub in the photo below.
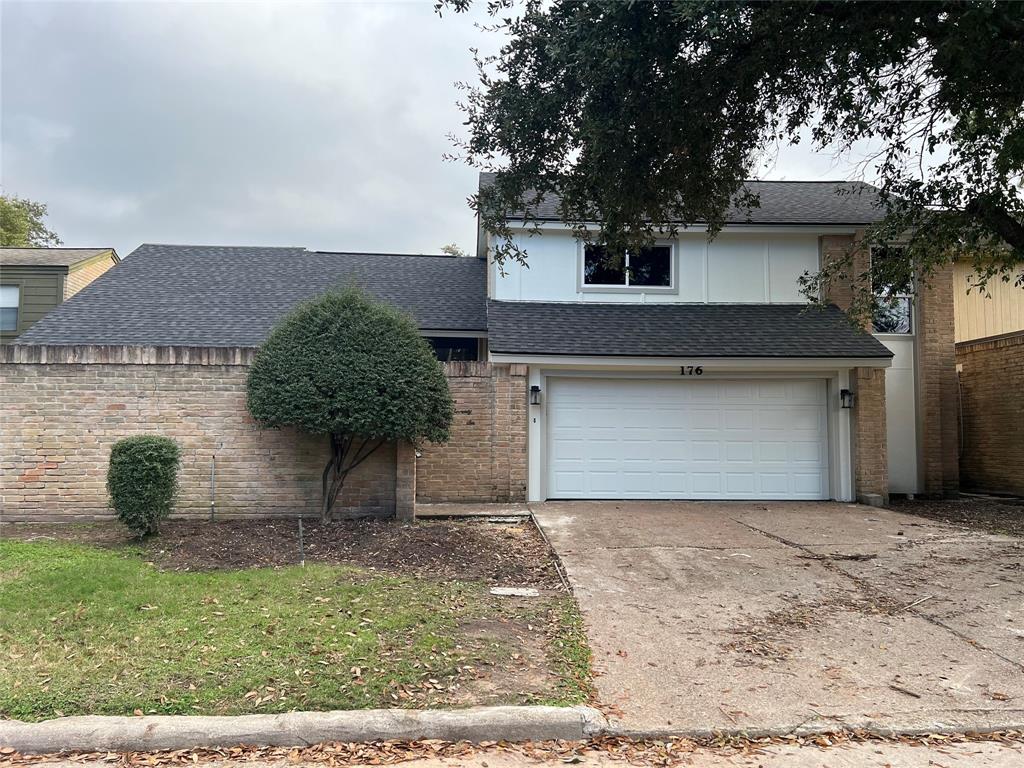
(142, 481)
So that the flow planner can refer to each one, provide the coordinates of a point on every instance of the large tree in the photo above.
(642, 115)
(353, 369)
(21, 224)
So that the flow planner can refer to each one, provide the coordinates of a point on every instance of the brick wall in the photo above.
(835, 248)
(870, 452)
(77, 279)
(992, 415)
(934, 363)
(486, 457)
(64, 407)
(59, 421)
(936, 385)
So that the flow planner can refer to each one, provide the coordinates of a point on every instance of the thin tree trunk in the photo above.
(336, 470)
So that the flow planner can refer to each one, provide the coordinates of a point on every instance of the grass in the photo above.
(100, 631)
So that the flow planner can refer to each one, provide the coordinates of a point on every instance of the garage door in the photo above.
(686, 439)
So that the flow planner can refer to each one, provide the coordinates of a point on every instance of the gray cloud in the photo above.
(315, 125)
(295, 124)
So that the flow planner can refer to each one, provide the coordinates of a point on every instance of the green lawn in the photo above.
(100, 631)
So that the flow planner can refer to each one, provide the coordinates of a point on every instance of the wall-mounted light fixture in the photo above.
(534, 395)
(846, 398)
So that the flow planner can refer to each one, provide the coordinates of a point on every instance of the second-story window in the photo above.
(646, 268)
(10, 298)
(894, 312)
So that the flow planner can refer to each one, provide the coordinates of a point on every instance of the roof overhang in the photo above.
(555, 225)
(711, 365)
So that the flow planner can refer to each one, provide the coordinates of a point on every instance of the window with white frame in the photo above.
(894, 312)
(10, 299)
(647, 268)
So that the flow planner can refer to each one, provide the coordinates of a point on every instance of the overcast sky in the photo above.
(315, 125)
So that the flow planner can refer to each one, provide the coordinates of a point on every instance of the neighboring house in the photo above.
(693, 371)
(35, 280)
(990, 364)
(206, 296)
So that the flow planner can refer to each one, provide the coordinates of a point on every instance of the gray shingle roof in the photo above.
(676, 330)
(48, 257)
(215, 296)
(782, 202)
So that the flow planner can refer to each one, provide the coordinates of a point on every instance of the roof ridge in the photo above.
(228, 247)
(392, 253)
(772, 181)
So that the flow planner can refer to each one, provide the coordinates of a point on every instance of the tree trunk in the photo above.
(343, 460)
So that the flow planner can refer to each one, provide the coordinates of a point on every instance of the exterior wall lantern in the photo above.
(846, 398)
(534, 395)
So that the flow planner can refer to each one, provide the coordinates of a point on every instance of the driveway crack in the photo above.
(868, 588)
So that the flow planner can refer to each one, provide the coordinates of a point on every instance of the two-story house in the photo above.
(693, 369)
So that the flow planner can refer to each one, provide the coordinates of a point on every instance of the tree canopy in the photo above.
(21, 224)
(352, 368)
(643, 115)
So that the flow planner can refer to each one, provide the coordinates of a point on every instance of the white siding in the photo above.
(754, 268)
(901, 414)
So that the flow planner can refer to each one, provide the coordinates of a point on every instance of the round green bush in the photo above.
(142, 480)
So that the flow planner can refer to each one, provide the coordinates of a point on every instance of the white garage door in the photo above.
(686, 439)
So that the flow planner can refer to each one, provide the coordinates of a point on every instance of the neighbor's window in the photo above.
(895, 310)
(646, 268)
(10, 296)
(451, 348)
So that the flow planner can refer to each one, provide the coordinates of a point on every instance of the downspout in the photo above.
(213, 485)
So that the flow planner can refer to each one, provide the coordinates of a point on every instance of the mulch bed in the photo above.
(499, 553)
(984, 513)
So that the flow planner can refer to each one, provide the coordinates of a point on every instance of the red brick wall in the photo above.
(486, 457)
(992, 415)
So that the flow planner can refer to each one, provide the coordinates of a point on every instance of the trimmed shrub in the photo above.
(352, 368)
(142, 480)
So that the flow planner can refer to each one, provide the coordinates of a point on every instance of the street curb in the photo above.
(1006, 720)
(92, 733)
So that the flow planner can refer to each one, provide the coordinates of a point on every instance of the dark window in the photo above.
(894, 312)
(452, 348)
(648, 268)
(651, 267)
(602, 268)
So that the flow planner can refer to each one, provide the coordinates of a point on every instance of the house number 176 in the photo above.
(691, 370)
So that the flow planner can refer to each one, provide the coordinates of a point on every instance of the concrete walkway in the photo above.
(768, 616)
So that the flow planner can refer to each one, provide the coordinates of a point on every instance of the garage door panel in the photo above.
(707, 485)
(740, 483)
(686, 439)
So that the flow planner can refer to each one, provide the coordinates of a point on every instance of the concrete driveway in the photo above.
(726, 616)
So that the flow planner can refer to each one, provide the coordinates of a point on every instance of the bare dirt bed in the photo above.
(983, 513)
(468, 550)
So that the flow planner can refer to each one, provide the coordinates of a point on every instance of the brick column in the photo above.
(405, 481)
(835, 248)
(870, 451)
(937, 385)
